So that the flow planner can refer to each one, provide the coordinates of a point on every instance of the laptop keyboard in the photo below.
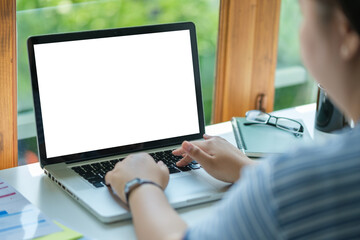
(95, 173)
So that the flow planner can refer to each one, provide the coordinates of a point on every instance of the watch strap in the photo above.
(138, 183)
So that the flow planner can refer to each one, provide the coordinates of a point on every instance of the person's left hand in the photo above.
(139, 165)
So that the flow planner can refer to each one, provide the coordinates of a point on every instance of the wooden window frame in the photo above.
(247, 57)
(8, 85)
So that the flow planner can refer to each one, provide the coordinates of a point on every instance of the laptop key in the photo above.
(79, 170)
(168, 163)
(194, 165)
(184, 169)
(93, 178)
(87, 168)
(88, 174)
(98, 184)
(173, 170)
(114, 162)
(102, 172)
(107, 166)
(96, 166)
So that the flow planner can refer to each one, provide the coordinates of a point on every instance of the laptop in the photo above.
(102, 95)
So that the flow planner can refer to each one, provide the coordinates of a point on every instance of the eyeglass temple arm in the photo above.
(301, 131)
(251, 123)
(301, 128)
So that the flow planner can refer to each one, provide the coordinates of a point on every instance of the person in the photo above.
(308, 193)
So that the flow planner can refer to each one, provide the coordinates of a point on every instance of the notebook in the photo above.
(101, 95)
(259, 140)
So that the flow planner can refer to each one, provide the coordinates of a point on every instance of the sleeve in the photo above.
(248, 210)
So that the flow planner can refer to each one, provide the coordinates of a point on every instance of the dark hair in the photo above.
(350, 8)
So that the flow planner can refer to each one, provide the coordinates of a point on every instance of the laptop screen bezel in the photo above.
(63, 37)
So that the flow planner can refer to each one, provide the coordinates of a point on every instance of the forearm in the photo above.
(153, 216)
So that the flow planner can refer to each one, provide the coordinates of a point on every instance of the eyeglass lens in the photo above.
(288, 125)
(283, 123)
(257, 116)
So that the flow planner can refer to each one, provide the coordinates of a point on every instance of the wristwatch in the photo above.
(135, 183)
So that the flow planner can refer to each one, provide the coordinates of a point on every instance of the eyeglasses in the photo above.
(259, 117)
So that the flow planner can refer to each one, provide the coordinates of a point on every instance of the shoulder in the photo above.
(341, 153)
(316, 187)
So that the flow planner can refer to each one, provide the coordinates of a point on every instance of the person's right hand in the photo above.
(217, 156)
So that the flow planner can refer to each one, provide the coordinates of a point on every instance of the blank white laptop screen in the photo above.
(108, 92)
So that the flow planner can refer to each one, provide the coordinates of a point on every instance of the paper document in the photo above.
(19, 219)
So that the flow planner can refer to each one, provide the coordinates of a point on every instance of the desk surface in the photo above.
(30, 181)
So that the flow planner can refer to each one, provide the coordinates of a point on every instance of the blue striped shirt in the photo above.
(309, 193)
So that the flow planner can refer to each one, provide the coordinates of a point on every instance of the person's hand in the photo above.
(139, 165)
(217, 156)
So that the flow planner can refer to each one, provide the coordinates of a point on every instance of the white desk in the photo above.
(30, 181)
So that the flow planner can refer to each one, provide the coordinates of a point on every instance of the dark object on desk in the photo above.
(286, 124)
(259, 139)
(328, 116)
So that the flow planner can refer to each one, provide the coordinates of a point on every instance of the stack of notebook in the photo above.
(260, 139)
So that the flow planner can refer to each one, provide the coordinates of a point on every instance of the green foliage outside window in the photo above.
(289, 47)
(289, 56)
(37, 17)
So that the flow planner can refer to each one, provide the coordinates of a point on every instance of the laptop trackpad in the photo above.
(185, 187)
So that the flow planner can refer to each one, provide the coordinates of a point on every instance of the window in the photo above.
(293, 84)
(246, 60)
(36, 17)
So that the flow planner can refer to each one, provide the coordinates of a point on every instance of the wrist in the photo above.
(135, 184)
(244, 162)
(144, 193)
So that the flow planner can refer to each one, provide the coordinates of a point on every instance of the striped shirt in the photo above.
(309, 193)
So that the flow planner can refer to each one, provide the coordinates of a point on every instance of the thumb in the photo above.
(195, 152)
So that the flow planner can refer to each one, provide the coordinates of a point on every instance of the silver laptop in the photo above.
(102, 95)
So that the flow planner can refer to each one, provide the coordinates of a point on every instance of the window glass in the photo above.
(36, 17)
(293, 84)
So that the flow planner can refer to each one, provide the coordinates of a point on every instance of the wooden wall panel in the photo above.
(247, 54)
(8, 85)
